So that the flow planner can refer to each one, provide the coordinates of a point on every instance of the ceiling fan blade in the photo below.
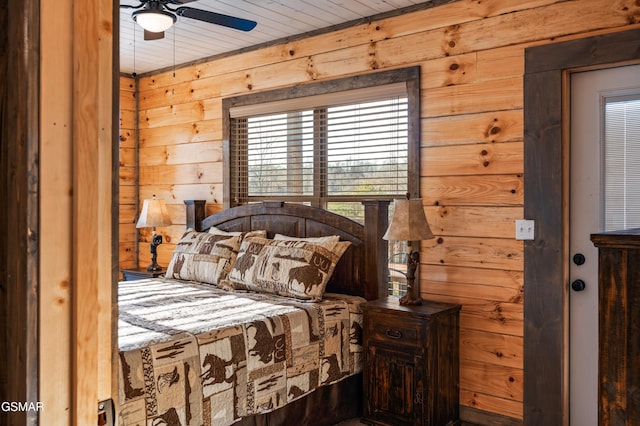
(148, 35)
(216, 18)
(129, 6)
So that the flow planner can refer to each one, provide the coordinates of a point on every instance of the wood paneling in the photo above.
(490, 253)
(128, 176)
(472, 221)
(196, 131)
(479, 408)
(475, 276)
(488, 127)
(94, 376)
(20, 220)
(492, 95)
(472, 59)
(478, 159)
(478, 190)
(498, 381)
(56, 202)
(4, 199)
(186, 153)
(491, 348)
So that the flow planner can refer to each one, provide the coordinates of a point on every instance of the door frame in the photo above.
(546, 201)
(19, 174)
(82, 51)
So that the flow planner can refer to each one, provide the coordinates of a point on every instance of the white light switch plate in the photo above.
(525, 229)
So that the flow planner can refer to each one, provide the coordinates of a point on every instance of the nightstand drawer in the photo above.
(395, 330)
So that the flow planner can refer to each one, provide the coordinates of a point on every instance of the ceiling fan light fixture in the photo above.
(154, 20)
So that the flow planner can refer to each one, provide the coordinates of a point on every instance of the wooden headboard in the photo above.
(362, 270)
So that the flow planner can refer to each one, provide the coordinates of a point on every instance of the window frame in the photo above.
(408, 76)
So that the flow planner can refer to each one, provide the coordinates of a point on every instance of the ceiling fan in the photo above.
(155, 16)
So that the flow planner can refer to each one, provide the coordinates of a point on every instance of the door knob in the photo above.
(579, 259)
(578, 285)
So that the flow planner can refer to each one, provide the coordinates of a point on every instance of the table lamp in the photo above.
(154, 213)
(409, 223)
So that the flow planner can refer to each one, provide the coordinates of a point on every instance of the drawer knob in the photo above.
(394, 334)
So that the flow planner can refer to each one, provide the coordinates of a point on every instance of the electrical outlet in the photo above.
(525, 229)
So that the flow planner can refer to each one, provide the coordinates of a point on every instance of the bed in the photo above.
(264, 343)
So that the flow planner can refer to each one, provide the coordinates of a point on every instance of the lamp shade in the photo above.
(154, 213)
(154, 20)
(408, 222)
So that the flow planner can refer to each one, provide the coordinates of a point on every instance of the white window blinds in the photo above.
(622, 163)
(352, 146)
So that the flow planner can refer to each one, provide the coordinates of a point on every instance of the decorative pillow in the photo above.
(204, 257)
(259, 233)
(328, 241)
(286, 267)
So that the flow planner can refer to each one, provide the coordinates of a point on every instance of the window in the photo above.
(622, 162)
(328, 144)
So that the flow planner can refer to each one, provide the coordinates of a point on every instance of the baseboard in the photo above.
(486, 418)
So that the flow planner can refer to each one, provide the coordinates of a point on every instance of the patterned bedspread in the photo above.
(192, 354)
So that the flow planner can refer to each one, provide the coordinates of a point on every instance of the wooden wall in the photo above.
(128, 254)
(472, 59)
(19, 219)
(77, 366)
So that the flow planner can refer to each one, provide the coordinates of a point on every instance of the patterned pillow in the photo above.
(204, 257)
(259, 233)
(327, 242)
(286, 267)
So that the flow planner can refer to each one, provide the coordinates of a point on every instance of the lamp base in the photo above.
(153, 248)
(154, 268)
(410, 299)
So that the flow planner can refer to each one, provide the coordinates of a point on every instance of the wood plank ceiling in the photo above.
(190, 40)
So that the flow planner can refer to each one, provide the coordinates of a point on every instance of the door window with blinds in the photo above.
(328, 150)
(622, 162)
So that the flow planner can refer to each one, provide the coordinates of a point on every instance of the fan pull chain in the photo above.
(174, 51)
(134, 51)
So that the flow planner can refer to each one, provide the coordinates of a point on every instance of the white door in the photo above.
(605, 171)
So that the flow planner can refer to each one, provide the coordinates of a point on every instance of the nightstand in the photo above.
(411, 363)
(141, 273)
